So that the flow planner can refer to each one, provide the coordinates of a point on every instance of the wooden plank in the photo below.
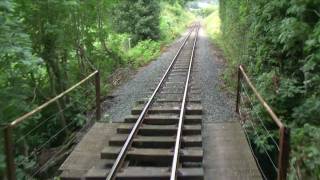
(159, 173)
(190, 93)
(164, 100)
(180, 83)
(190, 109)
(179, 88)
(165, 119)
(152, 154)
(156, 130)
(166, 93)
(157, 141)
(176, 96)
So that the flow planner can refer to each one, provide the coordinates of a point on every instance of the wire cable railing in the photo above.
(256, 134)
(259, 118)
(255, 126)
(59, 138)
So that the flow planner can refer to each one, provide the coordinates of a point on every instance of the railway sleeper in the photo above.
(182, 70)
(174, 89)
(179, 96)
(177, 88)
(171, 104)
(176, 100)
(157, 141)
(149, 155)
(190, 110)
(159, 173)
(175, 94)
(160, 130)
(163, 119)
(147, 173)
(176, 79)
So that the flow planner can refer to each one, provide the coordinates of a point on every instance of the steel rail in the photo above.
(176, 154)
(122, 154)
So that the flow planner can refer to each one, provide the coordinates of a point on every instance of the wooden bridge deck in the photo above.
(226, 152)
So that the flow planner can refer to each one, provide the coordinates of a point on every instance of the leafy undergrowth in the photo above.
(278, 42)
(143, 52)
(174, 20)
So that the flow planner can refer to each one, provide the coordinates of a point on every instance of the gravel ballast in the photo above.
(146, 78)
(217, 106)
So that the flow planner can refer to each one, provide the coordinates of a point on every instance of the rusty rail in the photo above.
(284, 132)
(8, 138)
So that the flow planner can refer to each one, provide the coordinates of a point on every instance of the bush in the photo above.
(280, 39)
(205, 12)
(138, 18)
(143, 52)
(173, 20)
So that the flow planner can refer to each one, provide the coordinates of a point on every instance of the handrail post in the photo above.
(98, 105)
(283, 160)
(9, 152)
(238, 90)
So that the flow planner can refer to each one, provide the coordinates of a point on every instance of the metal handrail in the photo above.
(284, 132)
(8, 138)
(121, 156)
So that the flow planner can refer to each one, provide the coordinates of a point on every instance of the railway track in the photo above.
(161, 139)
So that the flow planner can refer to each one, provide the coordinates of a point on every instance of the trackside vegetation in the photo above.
(278, 42)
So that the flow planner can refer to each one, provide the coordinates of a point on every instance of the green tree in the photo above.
(138, 18)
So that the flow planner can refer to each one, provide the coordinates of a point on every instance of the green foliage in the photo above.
(138, 18)
(305, 161)
(278, 42)
(173, 20)
(143, 52)
(205, 12)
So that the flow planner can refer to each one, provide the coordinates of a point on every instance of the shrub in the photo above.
(143, 52)
(280, 38)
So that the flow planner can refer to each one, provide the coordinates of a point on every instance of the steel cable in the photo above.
(33, 153)
(42, 122)
(252, 152)
(263, 146)
(260, 119)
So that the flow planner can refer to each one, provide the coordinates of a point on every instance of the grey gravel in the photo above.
(217, 105)
(139, 85)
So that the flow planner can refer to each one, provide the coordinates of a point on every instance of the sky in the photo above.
(202, 3)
